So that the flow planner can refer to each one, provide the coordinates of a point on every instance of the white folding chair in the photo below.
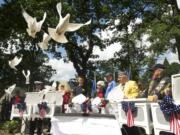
(52, 100)
(142, 117)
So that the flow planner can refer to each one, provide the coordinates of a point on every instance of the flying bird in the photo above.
(10, 89)
(64, 26)
(47, 89)
(33, 25)
(14, 62)
(53, 87)
(44, 44)
(26, 75)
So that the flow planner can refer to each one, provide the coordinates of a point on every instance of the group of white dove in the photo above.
(58, 33)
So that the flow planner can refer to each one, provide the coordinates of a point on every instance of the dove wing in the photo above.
(46, 37)
(27, 17)
(28, 72)
(54, 84)
(75, 26)
(11, 88)
(16, 61)
(39, 24)
(59, 9)
(58, 38)
(23, 73)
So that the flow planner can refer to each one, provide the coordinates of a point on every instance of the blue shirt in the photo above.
(111, 85)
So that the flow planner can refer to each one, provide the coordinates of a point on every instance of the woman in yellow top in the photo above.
(129, 88)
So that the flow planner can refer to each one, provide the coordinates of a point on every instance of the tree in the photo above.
(80, 11)
(161, 21)
(14, 39)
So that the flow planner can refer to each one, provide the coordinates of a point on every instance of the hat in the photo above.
(109, 74)
(161, 66)
(121, 73)
(101, 83)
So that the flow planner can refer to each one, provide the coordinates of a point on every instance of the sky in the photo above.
(1, 1)
(65, 71)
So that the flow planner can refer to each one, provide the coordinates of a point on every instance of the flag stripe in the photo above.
(175, 124)
(130, 118)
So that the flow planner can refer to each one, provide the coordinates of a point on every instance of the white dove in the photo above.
(14, 62)
(53, 87)
(64, 26)
(33, 25)
(44, 44)
(178, 3)
(10, 89)
(26, 75)
(46, 89)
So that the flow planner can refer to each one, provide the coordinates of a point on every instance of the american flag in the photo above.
(175, 124)
(42, 113)
(21, 113)
(130, 118)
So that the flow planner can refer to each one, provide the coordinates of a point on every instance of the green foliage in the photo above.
(160, 19)
(11, 125)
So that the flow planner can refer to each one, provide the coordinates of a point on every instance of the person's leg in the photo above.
(49, 124)
(32, 126)
(39, 126)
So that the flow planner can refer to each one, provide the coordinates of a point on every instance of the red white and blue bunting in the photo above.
(169, 108)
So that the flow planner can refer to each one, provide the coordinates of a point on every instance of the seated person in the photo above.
(111, 84)
(160, 83)
(81, 87)
(100, 89)
(17, 98)
(129, 88)
(100, 92)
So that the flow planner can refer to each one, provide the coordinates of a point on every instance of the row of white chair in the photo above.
(148, 116)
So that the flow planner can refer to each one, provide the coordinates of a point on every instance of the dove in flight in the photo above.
(44, 44)
(10, 89)
(53, 87)
(14, 62)
(33, 25)
(27, 76)
(49, 88)
(64, 26)
(46, 89)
